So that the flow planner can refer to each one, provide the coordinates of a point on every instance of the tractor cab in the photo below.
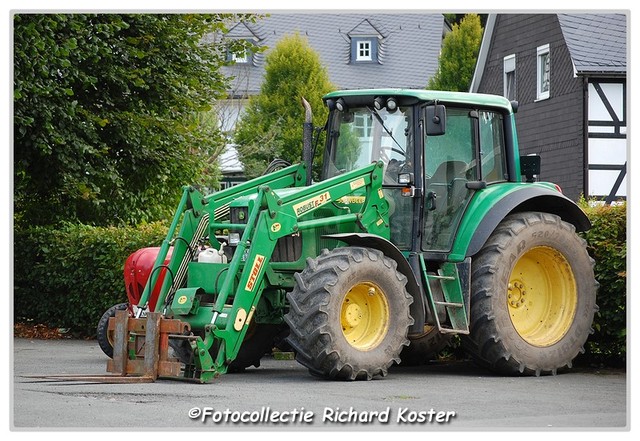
(435, 157)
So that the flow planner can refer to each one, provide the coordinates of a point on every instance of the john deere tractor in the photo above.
(426, 223)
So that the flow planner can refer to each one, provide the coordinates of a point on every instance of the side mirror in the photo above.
(436, 120)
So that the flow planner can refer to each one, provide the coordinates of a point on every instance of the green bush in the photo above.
(607, 244)
(68, 277)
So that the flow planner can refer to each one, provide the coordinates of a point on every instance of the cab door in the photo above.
(450, 163)
(467, 158)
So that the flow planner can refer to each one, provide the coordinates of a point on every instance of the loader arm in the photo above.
(196, 211)
(270, 219)
(191, 230)
(219, 329)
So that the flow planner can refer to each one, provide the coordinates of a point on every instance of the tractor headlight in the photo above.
(392, 105)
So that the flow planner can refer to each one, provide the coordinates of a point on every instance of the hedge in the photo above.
(607, 244)
(68, 277)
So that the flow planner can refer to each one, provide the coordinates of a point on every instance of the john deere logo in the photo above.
(182, 300)
(276, 227)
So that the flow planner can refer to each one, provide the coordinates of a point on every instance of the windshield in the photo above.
(360, 136)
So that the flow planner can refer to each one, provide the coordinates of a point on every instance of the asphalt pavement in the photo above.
(280, 395)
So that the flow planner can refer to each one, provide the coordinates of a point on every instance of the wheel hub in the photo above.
(542, 296)
(516, 294)
(353, 315)
(364, 316)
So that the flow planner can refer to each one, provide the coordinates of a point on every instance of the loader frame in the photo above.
(273, 214)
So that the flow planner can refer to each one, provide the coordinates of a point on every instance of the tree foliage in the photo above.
(458, 57)
(457, 18)
(106, 114)
(272, 125)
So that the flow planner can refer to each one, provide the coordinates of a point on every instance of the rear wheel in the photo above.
(424, 347)
(349, 314)
(533, 296)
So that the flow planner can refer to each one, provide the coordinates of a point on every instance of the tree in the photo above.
(457, 18)
(458, 57)
(272, 125)
(107, 125)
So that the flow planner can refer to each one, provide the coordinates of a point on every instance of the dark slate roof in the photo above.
(408, 51)
(596, 42)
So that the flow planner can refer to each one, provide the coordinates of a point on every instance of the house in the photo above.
(568, 73)
(387, 50)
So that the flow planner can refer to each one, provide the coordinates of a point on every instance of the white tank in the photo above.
(211, 255)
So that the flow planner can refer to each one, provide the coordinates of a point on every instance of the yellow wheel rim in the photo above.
(542, 296)
(365, 316)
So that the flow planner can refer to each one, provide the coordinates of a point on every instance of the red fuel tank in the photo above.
(137, 270)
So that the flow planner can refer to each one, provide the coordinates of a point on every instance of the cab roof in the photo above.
(474, 99)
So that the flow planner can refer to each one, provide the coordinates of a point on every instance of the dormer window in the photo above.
(366, 42)
(236, 52)
(237, 55)
(363, 51)
(239, 58)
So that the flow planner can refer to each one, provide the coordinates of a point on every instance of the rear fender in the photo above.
(528, 198)
(409, 267)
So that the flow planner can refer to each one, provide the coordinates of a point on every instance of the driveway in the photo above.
(281, 395)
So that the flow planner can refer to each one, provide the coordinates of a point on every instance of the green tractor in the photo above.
(426, 223)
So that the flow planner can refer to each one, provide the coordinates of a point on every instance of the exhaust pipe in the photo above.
(307, 138)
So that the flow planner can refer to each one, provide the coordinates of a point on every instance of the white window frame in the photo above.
(541, 51)
(239, 59)
(508, 66)
(363, 50)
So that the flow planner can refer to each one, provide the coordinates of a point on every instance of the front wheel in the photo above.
(259, 340)
(533, 296)
(103, 335)
(349, 314)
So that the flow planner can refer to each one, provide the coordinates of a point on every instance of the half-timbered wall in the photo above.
(607, 139)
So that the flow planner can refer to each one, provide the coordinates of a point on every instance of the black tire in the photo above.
(349, 314)
(533, 296)
(102, 333)
(425, 347)
(259, 340)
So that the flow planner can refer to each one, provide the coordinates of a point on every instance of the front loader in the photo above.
(426, 223)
